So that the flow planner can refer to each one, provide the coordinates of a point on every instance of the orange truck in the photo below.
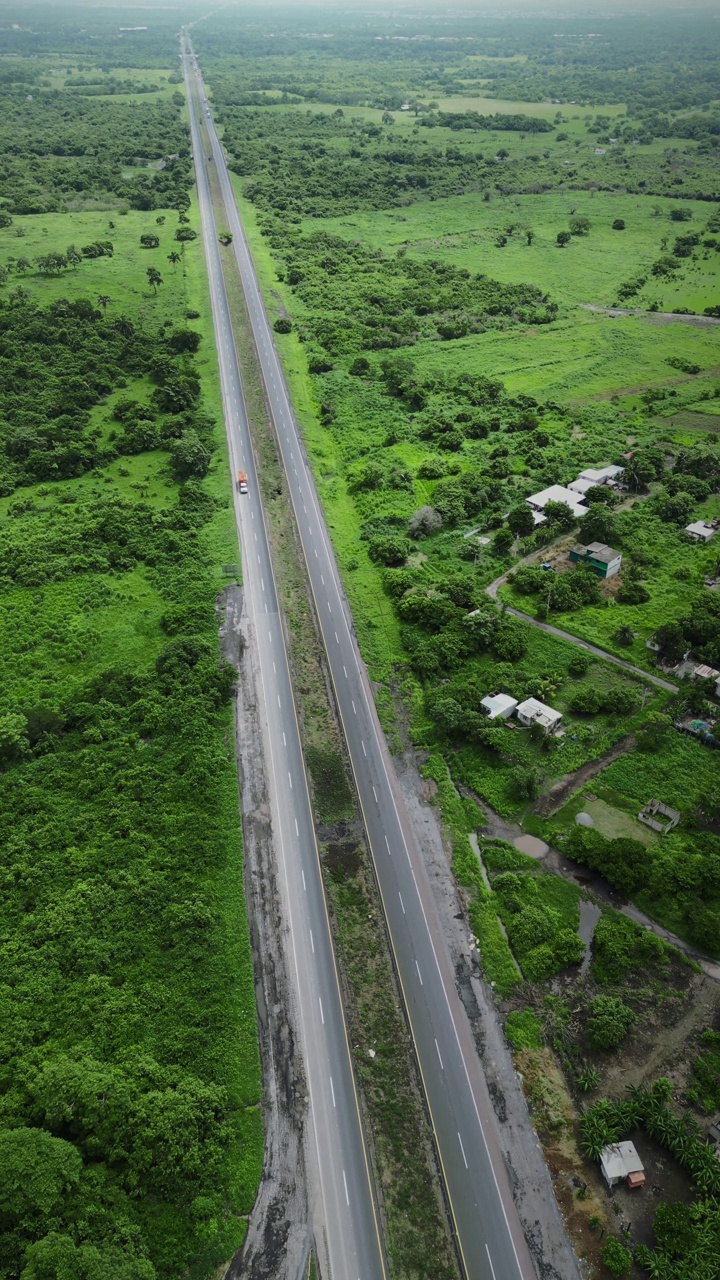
(242, 482)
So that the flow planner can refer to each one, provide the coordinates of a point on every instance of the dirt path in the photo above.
(655, 317)
(593, 648)
(566, 786)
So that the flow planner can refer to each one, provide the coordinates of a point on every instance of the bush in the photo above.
(283, 324)
(424, 522)
(184, 340)
(390, 549)
(523, 1030)
(616, 1258)
(609, 1022)
(150, 241)
(618, 224)
(185, 233)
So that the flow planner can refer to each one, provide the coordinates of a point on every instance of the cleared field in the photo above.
(465, 230)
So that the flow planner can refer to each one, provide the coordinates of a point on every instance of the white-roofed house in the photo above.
(498, 706)
(602, 475)
(557, 493)
(620, 1162)
(532, 711)
(700, 530)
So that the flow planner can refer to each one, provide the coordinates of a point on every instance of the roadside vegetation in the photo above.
(130, 1125)
(442, 229)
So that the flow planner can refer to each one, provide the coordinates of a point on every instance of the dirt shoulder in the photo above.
(529, 1177)
(279, 1237)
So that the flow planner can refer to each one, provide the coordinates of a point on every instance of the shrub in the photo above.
(389, 549)
(283, 324)
(185, 233)
(423, 522)
(609, 1022)
(616, 1258)
(618, 224)
(150, 241)
(523, 1030)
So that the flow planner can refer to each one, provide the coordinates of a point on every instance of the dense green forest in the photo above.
(130, 1131)
(122, 1111)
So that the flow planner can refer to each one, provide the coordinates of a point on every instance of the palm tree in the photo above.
(104, 301)
(124, 326)
(154, 278)
(174, 258)
(625, 635)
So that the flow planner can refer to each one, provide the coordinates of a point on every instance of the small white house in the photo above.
(498, 706)
(620, 1162)
(531, 711)
(602, 475)
(581, 485)
(557, 493)
(701, 530)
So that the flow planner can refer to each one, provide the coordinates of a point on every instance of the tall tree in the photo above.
(154, 278)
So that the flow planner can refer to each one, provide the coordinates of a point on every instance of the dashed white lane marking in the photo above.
(353, 706)
(336, 638)
(332, 1090)
(302, 873)
(278, 698)
(375, 794)
(297, 829)
(274, 669)
(402, 904)
(322, 1019)
(284, 739)
(437, 1046)
(387, 844)
(270, 636)
(315, 550)
(347, 1198)
(362, 744)
(290, 779)
(312, 944)
(463, 1150)
(489, 1258)
(417, 966)
(322, 579)
(346, 674)
(329, 607)
(262, 581)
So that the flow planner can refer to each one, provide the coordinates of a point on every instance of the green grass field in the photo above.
(464, 230)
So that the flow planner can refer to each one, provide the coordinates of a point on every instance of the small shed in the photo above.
(659, 816)
(620, 1163)
(498, 706)
(532, 711)
(700, 530)
(704, 672)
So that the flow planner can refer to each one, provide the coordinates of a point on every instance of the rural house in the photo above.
(555, 493)
(620, 1163)
(498, 706)
(531, 711)
(603, 560)
(701, 530)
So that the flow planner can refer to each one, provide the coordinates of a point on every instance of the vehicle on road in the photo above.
(242, 482)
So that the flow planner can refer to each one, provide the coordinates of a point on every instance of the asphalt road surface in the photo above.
(345, 1220)
(485, 1219)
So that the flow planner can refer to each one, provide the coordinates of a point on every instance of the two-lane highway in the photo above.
(488, 1228)
(345, 1220)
